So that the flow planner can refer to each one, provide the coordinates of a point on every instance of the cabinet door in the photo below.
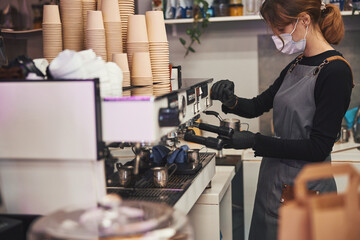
(251, 172)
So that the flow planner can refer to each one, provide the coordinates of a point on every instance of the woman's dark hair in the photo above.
(280, 13)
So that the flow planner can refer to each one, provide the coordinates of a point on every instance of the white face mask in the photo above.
(289, 46)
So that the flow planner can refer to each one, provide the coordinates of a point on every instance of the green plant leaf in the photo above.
(191, 49)
(206, 4)
(183, 42)
(197, 39)
(198, 32)
(200, 22)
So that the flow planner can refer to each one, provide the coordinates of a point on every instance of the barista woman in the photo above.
(309, 100)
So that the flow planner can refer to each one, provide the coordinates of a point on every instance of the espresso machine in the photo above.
(142, 123)
(56, 135)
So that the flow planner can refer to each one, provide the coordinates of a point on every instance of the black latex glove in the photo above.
(223, 91)
(241, 140)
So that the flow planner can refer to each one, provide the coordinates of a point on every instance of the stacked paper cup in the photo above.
(121, 60)
(127, 8)
(137, 37)
(112, 22)
(141, 74)
(72, 23)
(52, 36)
(159, 52)
(95, 34)
(87, 5)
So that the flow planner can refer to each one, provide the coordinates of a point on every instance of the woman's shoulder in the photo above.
(336, 73)
(316, 60)
(337, 65)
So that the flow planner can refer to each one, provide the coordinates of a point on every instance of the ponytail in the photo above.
(331, 24)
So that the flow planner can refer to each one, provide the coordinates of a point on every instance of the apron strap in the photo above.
(297, 60)
(331, 59)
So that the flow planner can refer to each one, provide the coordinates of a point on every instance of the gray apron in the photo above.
(293, 112)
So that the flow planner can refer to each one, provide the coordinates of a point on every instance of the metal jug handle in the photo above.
(173, 171)
(247, 126)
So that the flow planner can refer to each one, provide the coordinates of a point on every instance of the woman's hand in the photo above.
(223, 91)
(241, 140)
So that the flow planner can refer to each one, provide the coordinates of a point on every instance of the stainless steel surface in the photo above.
(161, 175)
(145, 154)
(220, 154)
(193, 155)
(231, 123)
(189, 82)
(344, 135)
(144, 188)
(125, 175)
(137, 158)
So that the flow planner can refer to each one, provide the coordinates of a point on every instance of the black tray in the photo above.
(187, 168)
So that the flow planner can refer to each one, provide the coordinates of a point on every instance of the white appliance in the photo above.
(53, 133)
(147, 119)
(50, 145)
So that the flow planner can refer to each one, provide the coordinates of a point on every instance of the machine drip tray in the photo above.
(144, 188)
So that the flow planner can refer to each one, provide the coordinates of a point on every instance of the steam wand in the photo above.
(137, 158)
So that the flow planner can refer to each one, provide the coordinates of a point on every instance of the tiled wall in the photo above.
(271, 62)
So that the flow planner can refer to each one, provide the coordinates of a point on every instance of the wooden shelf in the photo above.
(232, 19)
(215, 19)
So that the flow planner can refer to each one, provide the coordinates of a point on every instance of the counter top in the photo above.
(342, 152)
(230, 160)
(346, 152)
(219, 185)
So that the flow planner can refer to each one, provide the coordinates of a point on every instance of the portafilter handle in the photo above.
(209, 142)
(222, 130)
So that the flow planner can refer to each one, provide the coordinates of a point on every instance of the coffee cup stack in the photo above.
(127, 8)
(121, 60)
(72, 23)
(159, 52)
(87, 5)
(141, 74)
(137, 38)
(113, 31)
(95, 34)
(52, 35)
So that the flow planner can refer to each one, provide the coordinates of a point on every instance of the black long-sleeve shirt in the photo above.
(332, 97)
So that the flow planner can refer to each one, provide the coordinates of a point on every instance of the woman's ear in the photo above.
(305, 19)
